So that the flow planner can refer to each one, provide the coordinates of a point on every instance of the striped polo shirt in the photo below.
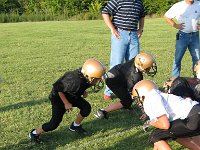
(125, 13)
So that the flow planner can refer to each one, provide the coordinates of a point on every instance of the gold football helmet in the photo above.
(167, 84)
(142, 88)
(146, 63)
(197, 69)
(93, 69)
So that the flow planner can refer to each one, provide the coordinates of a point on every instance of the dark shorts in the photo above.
(188, 127)
(58, 110)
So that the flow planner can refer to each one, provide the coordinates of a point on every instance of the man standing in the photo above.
(126, 15)
(187, 13)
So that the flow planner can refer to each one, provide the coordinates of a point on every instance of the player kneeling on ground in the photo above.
(185, 86)
(68, 92)
(174, 117)
(121, 79)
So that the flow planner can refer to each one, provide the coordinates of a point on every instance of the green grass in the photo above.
(34, 55)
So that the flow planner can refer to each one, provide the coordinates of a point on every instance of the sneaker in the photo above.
(35, 138)
(146, 125)
(78, 129)
(107, 97)
(101, 114)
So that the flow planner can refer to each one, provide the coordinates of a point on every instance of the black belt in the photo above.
(189, 33)
(129, 30)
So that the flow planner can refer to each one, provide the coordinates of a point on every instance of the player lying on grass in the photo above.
(174, 117)
(121, 79)
(185, 86)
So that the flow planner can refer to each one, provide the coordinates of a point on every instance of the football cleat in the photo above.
(101, 114)
(146, 125)
(35, 138)
(78, 129)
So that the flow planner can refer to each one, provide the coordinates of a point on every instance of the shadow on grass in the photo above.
(138, 141)
(62, 137)
(51, 141)
(23, 104)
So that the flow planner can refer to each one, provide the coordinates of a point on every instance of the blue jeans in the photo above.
(122, 49)
(184, 41)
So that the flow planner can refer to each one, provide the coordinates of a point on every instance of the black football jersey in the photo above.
(128, 73)
(72, 82)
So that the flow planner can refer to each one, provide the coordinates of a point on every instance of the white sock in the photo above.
(75, 124)
(34, 132)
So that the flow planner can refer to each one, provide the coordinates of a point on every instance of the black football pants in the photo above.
(120, 90)
(58, 110)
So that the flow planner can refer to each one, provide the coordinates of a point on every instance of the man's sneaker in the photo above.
(35, 138)
(107, 97)
(101, 114)
(78, 129)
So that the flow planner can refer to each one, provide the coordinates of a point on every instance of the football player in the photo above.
(69, 91)
(185, 86)
(174, 117)
(121, 79)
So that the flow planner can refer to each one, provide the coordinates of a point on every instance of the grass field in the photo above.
(35, 55)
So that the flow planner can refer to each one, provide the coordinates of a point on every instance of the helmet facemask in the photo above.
(98, 86)
(141, 89)
(151, 71)
(139, 99)
(92, 80)
(93, 70)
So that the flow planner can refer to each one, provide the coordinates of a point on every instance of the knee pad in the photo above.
(50, 126)
(193, 122)
(160, 134)
(86, 110)
(127, 103)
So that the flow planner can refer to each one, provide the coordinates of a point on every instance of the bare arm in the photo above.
(67, 104)
(141, 27)
(112, 28)
(161, 123)
(173, 24)
(198, 26)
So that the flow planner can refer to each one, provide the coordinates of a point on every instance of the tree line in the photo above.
(39, 10)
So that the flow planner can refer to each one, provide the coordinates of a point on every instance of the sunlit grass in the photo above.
(34, 55)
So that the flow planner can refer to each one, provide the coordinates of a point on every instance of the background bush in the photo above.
(158, 7)
(44, 10)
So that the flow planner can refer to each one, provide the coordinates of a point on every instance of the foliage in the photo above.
(158, 6)
(39, 10)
